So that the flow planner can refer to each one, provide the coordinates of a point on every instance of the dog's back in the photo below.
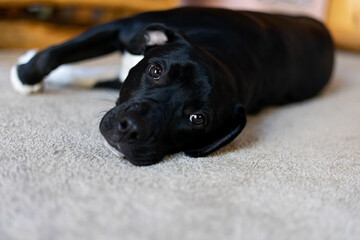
(276, 59)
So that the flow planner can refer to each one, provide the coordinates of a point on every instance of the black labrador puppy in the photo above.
(202, 71)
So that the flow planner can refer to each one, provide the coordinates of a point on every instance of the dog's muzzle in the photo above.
(127, 127)
(132, 132)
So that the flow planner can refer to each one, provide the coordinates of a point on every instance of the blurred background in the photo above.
(40, 23)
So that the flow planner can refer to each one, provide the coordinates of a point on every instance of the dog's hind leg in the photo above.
(84, 76)
(80, 76)
(28, 74)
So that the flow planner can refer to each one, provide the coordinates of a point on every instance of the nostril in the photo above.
(134, 136)
(123, 125)
(128, 129)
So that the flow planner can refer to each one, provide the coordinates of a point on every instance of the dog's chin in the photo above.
(124, 151)
(113, 149)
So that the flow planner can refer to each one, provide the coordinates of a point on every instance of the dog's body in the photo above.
(202, 70)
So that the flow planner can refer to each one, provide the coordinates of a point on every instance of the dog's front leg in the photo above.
(27, 76)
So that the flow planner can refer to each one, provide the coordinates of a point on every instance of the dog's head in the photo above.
(178, 98)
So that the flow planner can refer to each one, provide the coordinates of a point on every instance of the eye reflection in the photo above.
(155, 71)
(197, 119)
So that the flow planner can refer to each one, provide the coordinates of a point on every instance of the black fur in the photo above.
(218, 64)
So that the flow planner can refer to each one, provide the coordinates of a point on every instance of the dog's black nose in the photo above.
(128, 128)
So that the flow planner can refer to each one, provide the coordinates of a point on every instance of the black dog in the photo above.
(203, 70)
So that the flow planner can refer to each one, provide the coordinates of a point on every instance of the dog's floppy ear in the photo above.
(240, 122)
(155, 34)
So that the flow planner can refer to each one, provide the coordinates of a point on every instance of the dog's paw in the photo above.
(17, 84)
(21, 87)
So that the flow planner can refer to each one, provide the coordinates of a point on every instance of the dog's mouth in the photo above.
(114, 150)
(130, 134)
(136, 157)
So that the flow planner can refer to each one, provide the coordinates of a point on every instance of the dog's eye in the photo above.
(197, 119)
(155, 71)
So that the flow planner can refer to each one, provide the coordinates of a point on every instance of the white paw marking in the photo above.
(20, 87)
(14, 77)
(26, 57)
(81, 76)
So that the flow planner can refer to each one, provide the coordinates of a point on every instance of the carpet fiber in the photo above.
(293, 173)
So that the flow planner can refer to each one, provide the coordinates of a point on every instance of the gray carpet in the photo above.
(294, 172)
